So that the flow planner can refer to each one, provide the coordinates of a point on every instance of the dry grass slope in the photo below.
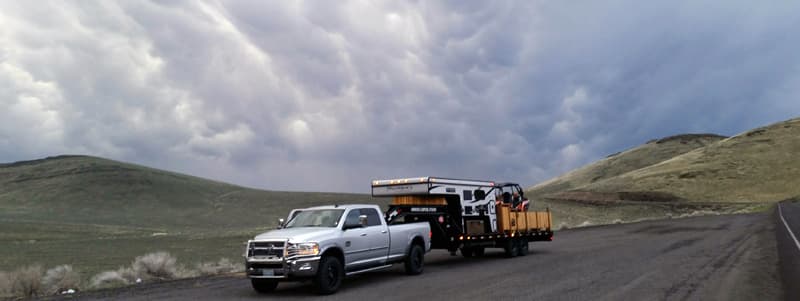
(756, 166)
(652, 152)
(683, 175)
(97, 214)
(759, 165)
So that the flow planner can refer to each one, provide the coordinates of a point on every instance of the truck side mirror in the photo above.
(480, 195)
(280, 223)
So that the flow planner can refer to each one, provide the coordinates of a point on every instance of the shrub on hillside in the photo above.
(223, 266)
(109, 279)
(27, 281)
(5, 285)
(159, 265)
(59, 279)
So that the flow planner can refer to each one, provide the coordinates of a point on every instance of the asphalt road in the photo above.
(788, 247)
(731, 257)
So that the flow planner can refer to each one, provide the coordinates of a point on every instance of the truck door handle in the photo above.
(363, 234)
(384, 231)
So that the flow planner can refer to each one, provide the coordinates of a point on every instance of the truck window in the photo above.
(397, 220)
(352, 217)
(316, 218)
(373, 218)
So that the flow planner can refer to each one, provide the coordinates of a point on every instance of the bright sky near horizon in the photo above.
(326, 95)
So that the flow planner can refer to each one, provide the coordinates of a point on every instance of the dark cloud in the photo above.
(325, 96)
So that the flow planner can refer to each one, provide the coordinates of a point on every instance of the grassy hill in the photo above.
(98, 214)
(759, 165)
(652, 152)
(679, 176)
(754, 166)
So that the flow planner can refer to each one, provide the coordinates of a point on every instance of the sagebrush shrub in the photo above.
(5, 285)
(27, 281)
(59, 279)
(160, 265)
(109, 279)
(223, 266)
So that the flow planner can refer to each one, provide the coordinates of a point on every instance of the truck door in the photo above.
(377, 235)
(356, 244)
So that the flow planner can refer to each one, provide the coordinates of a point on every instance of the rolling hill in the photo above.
(98, 214)
(756, 166)
(81, 189)
(650, 153)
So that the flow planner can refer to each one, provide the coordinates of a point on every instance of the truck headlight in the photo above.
(302, 249)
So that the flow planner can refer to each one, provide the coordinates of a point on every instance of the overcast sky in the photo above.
(326, 95)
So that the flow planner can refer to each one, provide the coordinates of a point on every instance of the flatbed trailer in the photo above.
(466, 215)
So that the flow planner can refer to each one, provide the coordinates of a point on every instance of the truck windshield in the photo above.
(316, 218)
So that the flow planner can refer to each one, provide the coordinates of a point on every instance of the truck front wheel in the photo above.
(415, 261)
(264, 285)
(329, 276)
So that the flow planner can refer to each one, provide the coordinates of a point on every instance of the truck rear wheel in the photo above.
(264, 285)
(478, 251)
(329, 276)
(415, 261)
(466, 252)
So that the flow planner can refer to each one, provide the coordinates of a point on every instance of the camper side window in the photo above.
(468, 195)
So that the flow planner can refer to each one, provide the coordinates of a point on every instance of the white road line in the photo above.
(780, 213)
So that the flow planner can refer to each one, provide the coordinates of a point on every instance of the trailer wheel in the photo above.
(466, 252)
(329, 276)
(523, 247)
(511, 248)
(415, 261)
(264, 285)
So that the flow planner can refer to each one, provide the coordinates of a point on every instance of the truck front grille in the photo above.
(265, 265)
(266, 248)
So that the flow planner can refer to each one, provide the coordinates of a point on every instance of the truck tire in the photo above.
(466, 252)
(478, 251)
(329, 275)
(523, 247)
(511, 248)
(415, 261)
(264, 285)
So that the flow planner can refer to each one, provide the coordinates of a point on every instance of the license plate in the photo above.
(267, 273)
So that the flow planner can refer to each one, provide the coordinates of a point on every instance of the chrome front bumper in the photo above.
(283, 269)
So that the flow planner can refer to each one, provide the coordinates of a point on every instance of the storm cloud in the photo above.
(325, 96)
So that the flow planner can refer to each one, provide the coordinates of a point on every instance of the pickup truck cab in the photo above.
(327, 243)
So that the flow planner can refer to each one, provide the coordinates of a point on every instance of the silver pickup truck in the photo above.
(328, 243)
